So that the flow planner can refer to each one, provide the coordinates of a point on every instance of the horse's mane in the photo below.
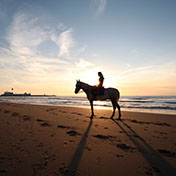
(85, 83)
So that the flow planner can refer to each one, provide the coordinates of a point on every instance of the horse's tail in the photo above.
(118, 95)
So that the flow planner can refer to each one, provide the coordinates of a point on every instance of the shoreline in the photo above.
(164, 112)
(61, 140)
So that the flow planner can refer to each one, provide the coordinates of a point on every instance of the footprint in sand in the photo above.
(62, 111)
(51, 109)
(4, 171)
(154, 123)
(22, 139)
(65, 170)
(149, 171)
(76, 113)
(25, 117)
(39, 120)
(45, 124)
(40, 144)
(64, 127)
(15, 114)
(125, 147)
(167, 153)
(119, 156)
(88, 148)
(6, 111)
(73, 133)
(103, 137)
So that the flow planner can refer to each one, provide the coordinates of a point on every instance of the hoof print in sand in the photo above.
(51, 109)
(119, 156)
(39, 120)
(154, 123)
(3, 171)
(63, 111)
(15, 114)
(6, 111)
(167, 153)
(25, 117)
(151, 170)
(125, 147)
(76, 113)
(103, 137)
(72, 133)
(88, 148)
(64, 170)
(44, 124)
(64, 127)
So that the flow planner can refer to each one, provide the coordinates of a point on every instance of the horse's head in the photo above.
(78, 86)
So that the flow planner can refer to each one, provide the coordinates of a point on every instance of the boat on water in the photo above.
(12, 94)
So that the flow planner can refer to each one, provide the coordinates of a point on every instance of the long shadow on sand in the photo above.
(155, 160)
(72, 169)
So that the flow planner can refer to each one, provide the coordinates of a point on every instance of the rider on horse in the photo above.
(99, 93)
(101, 79)
(99, 89)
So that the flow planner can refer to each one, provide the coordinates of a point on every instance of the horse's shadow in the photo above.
(74, 163)
(154, 159)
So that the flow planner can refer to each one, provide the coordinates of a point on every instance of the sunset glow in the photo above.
(45, 50)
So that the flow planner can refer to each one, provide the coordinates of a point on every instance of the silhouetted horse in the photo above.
(109, 93)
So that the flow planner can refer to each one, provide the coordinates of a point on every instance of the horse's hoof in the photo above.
(91, 117)
(119, 119)
(111, 117)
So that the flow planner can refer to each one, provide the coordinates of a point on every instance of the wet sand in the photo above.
(54, 140)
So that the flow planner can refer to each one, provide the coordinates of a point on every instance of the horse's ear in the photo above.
(79, 80)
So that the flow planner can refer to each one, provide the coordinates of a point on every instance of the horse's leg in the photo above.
(91, 104)
(114, 108)
(119, 111)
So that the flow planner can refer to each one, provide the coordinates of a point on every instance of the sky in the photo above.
(46, 45)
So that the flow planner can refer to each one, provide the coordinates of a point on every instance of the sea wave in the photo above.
(137, 103)
(150, 107)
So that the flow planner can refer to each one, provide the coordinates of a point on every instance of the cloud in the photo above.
(21, 61)
(62, 26)
(134, 70)
(25, 33)
(64, 41)
(79, 67)
(84, 64)
(25, 58)
(99, 6)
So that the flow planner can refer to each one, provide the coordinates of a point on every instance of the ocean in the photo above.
(151, 104)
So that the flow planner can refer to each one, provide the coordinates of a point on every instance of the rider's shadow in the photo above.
(73, 166)
(154, 159)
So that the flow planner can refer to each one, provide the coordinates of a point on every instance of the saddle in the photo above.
(97, 91)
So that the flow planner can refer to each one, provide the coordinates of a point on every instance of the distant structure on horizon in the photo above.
(7, 93)
(12, 94)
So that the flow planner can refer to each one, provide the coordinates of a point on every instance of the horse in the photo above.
(109, 93)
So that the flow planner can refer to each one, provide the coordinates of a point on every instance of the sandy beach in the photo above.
(54, 140)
